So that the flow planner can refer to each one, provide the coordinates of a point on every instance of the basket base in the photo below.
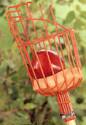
(62, 81)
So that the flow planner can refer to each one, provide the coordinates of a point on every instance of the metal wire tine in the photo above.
(54, 76)
(26, 54)
(52, 14)
(33, 53)
(22, 23)
(67, 46)
(16, 6)
(45, 25)
(54, 18)
(46, 28)
(69, 52)
(61, 62)
(27, 21)
(22, 54)
(45, 79)
(12, 11)
(31, 18)
(60, 102)
(66, 102)
(21, 50)
(29, 61)
(28, 3)
(19, 5)
(57, 54)
(78, 83)
(55, 22)
(73, 40)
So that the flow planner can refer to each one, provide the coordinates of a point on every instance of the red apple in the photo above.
(43, 58)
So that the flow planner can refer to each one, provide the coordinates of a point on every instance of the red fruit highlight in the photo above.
(43, 57)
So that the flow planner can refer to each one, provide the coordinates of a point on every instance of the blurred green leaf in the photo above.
(83, 14)
(5, 35)
(79, 24)
(14, 119)
(70, 17)
(2, 10)
(30, 106)
(84, 72)
(82, 1)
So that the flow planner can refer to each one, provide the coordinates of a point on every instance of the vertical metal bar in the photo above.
(57, 36)
(14, 31)
(73, 39)
(30, 17)
(60, 100)
(71, 54)
(66, 41)
(19, 13)
(45, 79)
(46, 29)
(59, 44)
(46, 26)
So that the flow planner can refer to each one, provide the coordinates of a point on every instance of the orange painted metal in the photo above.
(50, 36)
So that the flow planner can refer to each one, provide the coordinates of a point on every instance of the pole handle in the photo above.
(66, 110)
(72, 122)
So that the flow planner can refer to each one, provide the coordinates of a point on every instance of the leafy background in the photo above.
(19, 104)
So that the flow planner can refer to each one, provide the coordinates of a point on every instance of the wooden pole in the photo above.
(72, 122)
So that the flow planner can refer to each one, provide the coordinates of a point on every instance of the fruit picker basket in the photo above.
(48, 49)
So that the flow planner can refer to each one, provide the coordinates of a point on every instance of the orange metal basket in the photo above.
(45, 35)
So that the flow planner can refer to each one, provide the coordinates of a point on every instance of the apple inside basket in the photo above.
(63, 78)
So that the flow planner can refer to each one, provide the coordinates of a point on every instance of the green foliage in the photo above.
(19, 104)
(83, 1)
(70, 17)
